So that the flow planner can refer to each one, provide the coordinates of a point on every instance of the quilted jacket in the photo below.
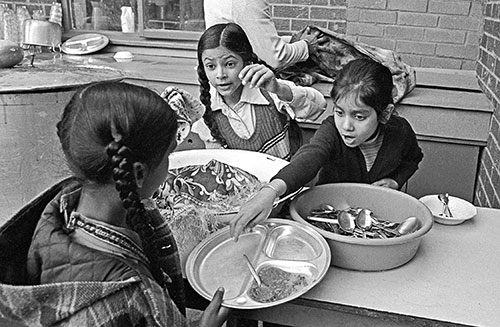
(109, 290)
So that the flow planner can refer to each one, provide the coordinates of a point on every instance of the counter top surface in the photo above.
(452, 278)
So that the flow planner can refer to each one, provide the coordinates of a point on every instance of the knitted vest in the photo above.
(271, 133)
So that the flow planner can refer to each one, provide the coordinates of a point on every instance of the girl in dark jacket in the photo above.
(361, 142)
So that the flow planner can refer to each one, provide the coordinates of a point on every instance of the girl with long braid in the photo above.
(246, 106)
(102, 228)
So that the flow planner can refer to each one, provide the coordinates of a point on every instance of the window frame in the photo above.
(179, 39)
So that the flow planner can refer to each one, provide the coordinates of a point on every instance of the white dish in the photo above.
(85, 44)
(262, 166)
(461, 210)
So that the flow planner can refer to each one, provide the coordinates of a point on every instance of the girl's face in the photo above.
(222, 67)
(354, 120)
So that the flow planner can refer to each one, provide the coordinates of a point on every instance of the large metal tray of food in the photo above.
(289, 257)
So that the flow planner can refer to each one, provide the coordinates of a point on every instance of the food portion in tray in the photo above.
(276, 284)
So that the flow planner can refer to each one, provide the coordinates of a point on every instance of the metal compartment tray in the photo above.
(291, 246)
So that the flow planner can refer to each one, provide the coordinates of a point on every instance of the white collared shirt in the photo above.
(307, 104)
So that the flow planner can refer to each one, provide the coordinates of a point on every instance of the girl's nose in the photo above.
(347, 124)
(221, 73)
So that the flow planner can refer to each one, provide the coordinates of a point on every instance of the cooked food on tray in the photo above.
(276, 284)
(194, 199)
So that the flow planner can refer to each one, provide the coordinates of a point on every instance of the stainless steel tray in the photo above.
(218, 261)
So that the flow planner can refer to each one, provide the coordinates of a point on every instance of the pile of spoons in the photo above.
(359, 222)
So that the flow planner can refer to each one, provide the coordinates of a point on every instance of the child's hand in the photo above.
(215, 314)
(260, 76)
(387, 182)
(254, 211)
(257, 75)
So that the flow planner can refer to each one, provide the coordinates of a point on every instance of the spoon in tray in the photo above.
(253, 272)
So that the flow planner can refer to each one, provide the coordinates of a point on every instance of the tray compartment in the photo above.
(287, 242)
(221, 263)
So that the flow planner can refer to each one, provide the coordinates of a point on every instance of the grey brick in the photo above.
(364, 29)
(449, 7)
(407, 5)
(378, 16)
(422, 48)
(446, 36)
(404, 33)
(418, 19)
(461, 23)
(374, 4)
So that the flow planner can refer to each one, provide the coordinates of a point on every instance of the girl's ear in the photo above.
(386, 114)
(139, 173)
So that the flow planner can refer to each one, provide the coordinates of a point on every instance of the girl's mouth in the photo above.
(224, 86)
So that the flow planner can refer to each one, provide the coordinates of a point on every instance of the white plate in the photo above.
(461, 210)
(85, 43)
(261, 165)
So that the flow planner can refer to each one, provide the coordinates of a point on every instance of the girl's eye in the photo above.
(359, 117)
(338, 112)
(210, 66)
(230, 64)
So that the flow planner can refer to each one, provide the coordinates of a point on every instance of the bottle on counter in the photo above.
(22, 15)
(2, 10)
(56, 13)
(10, 26)
(127, 20)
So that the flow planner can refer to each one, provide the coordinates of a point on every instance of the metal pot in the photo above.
(42, 33)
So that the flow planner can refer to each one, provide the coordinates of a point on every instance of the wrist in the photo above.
(272, 188)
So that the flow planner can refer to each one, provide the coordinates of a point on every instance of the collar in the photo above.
(249, 95)
(97, 234)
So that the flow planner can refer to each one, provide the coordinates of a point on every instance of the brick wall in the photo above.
(427, 33)
(488, 72)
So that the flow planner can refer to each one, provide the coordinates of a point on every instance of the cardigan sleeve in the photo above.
(412, 155)
(307, 162)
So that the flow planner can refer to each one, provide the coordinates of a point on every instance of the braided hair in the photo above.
(106, 128)
(232, 37)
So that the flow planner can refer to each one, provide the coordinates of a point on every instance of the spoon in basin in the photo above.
(253, 272)
(364, 221)
(347, 221)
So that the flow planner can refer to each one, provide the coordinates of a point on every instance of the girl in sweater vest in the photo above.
(246, 106)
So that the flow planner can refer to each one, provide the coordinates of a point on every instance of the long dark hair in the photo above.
(106, 128)
(232, 37)
(371, 81)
